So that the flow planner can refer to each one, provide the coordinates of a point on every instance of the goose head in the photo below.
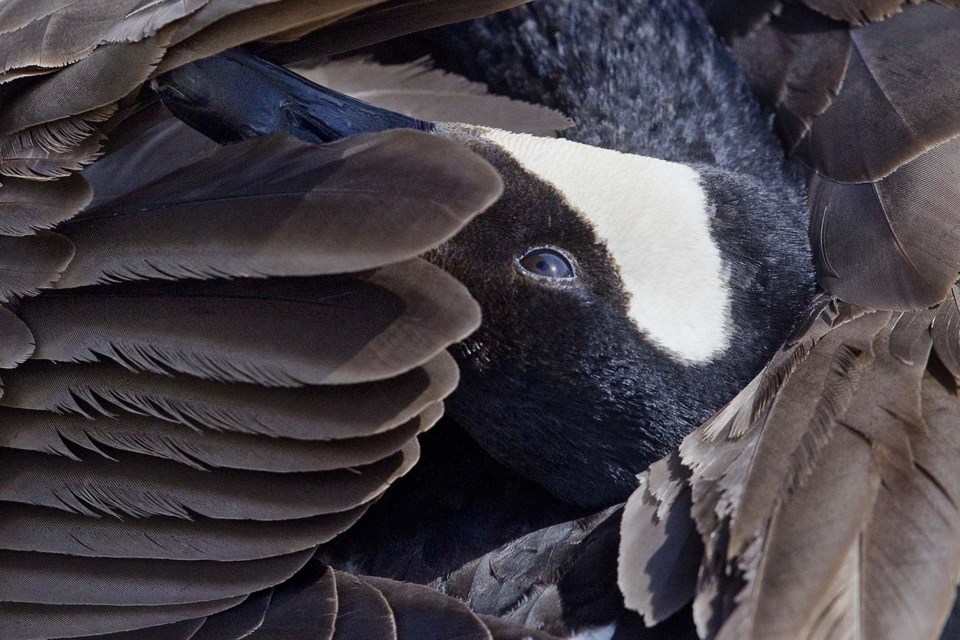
(624, 298)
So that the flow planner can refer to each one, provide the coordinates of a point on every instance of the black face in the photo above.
(552, 383)
(558, 383)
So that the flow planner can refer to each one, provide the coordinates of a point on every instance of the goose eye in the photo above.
(545, 262)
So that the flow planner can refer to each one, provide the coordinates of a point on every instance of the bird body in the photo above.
(221, 356)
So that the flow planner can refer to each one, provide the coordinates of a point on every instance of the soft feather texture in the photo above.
(32, 621)
(213, 329)
(76, 90)
(386, 20)
(143, 476)
(338, 606)
(320, 217)
(31, 263)
(518, 581)
(54, 149)
(659, 546)
(890, 98)
(429, 94)
(27, 205)
(62, 434)
(831, 508)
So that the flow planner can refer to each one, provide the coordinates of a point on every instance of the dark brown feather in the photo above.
(143, 147)
(384, 21)
(911, 98)
(330, 330)
(307, 612)
(31, 263)
(301, 209)
(518, 582)
(143, 487)
(893, 243)
(312, 413)
(660, 548)
(238, 622)
(176, 631)
(65, 435)
(946, 333)
(54, 149)
(54, 579)
(80, 88)
(221, 26)
(27, 205)
(362, 611)
(30, 621)
(55, 34)
(16, 341)
(50, 530)
(423, 614)
(796, 63)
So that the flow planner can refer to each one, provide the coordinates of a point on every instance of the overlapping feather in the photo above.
(172, 478)
(833, 512)
(871, 109)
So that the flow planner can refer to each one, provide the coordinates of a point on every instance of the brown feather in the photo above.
(660, 548)
(311, 413)
(205, 36)
(946, 333)
(302, 209)
(55, 579)
(423, 614)
(796, 63)
(49, 530)
(65, 435)
(433, 95)
(307, 612)
(16, 341)
(27, 205)
(31, 263)
(894, 243)
(30, 621)
(384, 21)
(238, 622)
(363, 612)
(912, 98)
(331, 330)
(55, 149)
(83, 87)
(142, 487)
(856, 12)
(518, 581)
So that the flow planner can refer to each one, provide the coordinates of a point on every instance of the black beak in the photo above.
(236, 95)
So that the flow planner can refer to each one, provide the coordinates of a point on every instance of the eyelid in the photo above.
(574, 266)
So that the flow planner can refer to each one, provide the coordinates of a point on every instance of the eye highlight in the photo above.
(548, 263)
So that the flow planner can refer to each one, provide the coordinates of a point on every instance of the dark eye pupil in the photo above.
(547, 263)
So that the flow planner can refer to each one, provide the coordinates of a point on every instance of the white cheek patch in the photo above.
(603, 633)
(652, 216)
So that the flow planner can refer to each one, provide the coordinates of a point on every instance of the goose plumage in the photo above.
(819, 503)
(195, 402)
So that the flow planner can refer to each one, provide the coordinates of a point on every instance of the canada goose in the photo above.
(232, 377)
(822, 501)
(87, 398)
(160, 488)
(577, 269)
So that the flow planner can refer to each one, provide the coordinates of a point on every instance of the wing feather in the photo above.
(302, 209)
(20, 621)
(176, 445)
